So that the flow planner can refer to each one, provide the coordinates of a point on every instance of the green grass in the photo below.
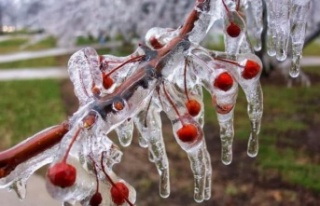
(33, 63)
(12, 45)
(85, 41)
(47, 43)
(289, 113)
(312, 49)
(57, 61)
(28, 107)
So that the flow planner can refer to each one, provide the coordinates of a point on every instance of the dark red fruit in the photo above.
(233, 30)
(193, 107)
(119, 193)
(62, 175)
(224, 81)
(251, 69)
(96, 199)
(107, 81)
(187, 133)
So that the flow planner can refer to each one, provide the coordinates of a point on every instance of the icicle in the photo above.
(254, 13)
(208, 172)
(298, 30)
(226, 136)
(271, 31)
(199, 171)
(125, 133)
(19, 186)
(149, 125)
(252, 89)
(278, 28)
(225, 91)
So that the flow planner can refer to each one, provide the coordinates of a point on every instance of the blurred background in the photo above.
(38, 37)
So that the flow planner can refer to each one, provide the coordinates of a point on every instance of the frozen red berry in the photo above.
(233, 30)
(251, 69)
(107, 81)
(224, 81)
(119, 193)
(187, 133)
(96, 199)
(62, 175)
(193, 107)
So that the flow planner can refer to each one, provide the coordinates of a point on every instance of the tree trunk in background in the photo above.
(1, 26)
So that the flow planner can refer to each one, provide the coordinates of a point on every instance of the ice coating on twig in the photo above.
(18, 176)
(84, 72)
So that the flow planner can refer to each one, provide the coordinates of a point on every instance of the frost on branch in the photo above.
(165, 74)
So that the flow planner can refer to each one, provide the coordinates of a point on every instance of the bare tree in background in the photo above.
(69, 19)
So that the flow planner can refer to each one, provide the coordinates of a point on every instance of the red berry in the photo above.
(119, 193)
(251, 69)
(233, 30)
(107, 81)
(193, 107)
(155, 43)
(187, 133)
(96, 199)
(62, 175)
(224, 81)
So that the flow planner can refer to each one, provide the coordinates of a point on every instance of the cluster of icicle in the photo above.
(118, 93)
